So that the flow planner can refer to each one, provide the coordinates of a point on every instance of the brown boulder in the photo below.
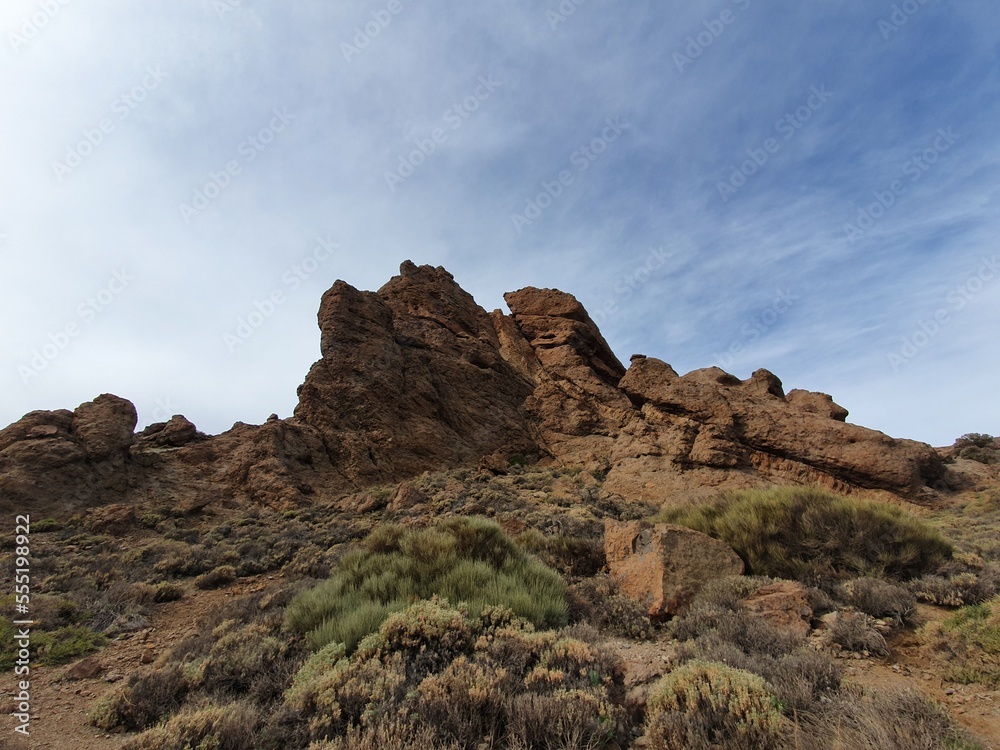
(174, 433)
(62, 460)
(110, 519)
(86, 669)
(105, 426)
(784, 604)
(664, 566)
(405, 497)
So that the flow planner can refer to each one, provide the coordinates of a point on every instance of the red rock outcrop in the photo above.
(411, 379)
(417, 377)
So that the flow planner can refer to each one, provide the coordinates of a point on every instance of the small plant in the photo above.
(167, 592)
(856, 631)
(64, 644)
(957, 590)
(221, 576)
(45, 525)
(885, 719)
(150, 519)
(570, 554)
(972, 637)
(599, 601)
(977, 446)
(142, 702)
(879, 598)
(518, 459)
(705, 705)
(245, 660)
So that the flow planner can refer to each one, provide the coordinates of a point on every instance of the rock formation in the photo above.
(664, 566)
(417, 376)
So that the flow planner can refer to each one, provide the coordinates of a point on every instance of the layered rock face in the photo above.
(411, 379)
(417, 376)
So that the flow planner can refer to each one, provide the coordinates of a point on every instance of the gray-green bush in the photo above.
(812, 535)
(464, 560)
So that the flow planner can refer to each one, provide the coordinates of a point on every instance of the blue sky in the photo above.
(810, 187)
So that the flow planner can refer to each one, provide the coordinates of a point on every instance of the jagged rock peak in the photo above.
(417, 376)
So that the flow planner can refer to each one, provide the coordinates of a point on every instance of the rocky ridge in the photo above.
(418, 377)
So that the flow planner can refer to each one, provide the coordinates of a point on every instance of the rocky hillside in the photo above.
(417, 377)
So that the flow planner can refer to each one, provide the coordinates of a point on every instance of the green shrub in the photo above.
(979, 625)
(46, 524)
(704, 705)
(971, 638)
(975, 440)
(981, 455)
(150, 519)
(814, 536)
(467, 561)
(167, 592)
(64, 644)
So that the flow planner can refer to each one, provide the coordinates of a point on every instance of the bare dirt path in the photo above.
(59, 704)
(911, 666)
